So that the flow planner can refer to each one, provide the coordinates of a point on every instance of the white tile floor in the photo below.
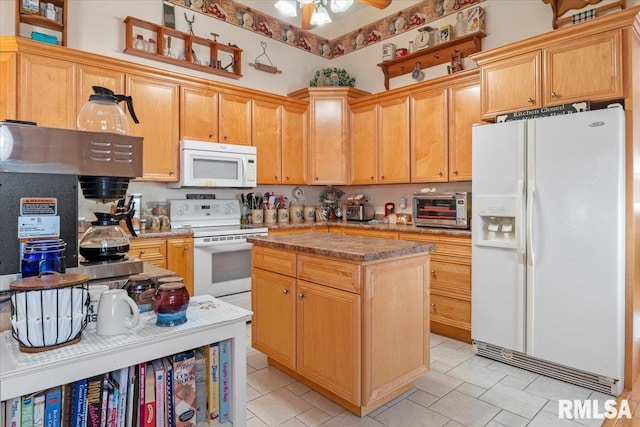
(460, 390)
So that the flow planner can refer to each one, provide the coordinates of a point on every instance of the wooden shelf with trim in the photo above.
(189, 41)
(36, 20)
(430, 56)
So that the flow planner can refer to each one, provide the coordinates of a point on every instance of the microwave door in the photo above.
(218, 170)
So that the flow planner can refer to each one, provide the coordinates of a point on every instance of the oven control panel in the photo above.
(186, 213)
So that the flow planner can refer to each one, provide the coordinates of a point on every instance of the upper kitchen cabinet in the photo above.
(568, 67)
(39, 75)
(429, 135)
(328, 143)
(266, 135)
(89, 76)
(294, 143)
(234, 115)
(380, 140)
(278, 133)
(156, 102)
(8, 85)
(464, 112)
(442, 116)
(198, 113)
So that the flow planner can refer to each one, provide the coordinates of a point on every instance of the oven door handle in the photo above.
(223, 247)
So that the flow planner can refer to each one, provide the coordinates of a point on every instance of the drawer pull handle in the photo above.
(186, 248)
(433, 273)
(142, 252)
(285, 291)
(301, 295)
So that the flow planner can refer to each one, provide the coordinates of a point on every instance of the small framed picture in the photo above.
(168, 15)
(445, 33)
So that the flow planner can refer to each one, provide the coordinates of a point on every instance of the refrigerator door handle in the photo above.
(531, 187)
(519, 231)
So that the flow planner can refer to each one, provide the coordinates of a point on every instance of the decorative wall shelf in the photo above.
(430, 56)
(216, 55)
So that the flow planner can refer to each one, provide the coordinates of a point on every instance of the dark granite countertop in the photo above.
(375, 226)
(352, 248)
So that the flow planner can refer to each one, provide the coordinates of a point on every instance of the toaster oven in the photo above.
(445, 210)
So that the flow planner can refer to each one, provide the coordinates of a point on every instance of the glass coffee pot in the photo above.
(103, 113)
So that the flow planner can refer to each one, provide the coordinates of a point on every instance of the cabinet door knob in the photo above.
(225, 137)
(440, 173)
(455, 172)
(171, 172)
(186, 248)
(276, 177)
(433, 273)
(301, 295)
(286, 178)
(285, 291)
(371, 177)
(553, 94)
(142, 252)
(211, 134)
(530, 100)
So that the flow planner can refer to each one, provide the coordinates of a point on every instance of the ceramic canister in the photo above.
(170, 304)
(388, 51)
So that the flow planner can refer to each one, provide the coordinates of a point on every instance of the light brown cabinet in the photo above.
(566, 69)
(328, 130)
(156, 102)
(8, 85)
(450, 273)
(89, 76)
(174, 254)
(380, 144)
(234, 120)
(294, 143)
(441, 121)
(346, 355)
(38, 75)
(198, 113)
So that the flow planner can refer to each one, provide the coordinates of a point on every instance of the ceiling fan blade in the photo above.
(380, 4)
(307, 11)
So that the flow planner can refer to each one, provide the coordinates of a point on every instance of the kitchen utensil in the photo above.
(417, 73)
(102, 113)
(168, 50)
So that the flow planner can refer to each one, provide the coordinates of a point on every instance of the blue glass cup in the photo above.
(42, 257)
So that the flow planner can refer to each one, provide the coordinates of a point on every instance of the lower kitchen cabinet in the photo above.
(450, 284)
(174, 254)
(328, 323)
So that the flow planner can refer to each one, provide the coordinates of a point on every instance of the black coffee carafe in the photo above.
(105, 240)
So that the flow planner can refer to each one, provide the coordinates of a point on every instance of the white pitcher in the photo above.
(117, 313)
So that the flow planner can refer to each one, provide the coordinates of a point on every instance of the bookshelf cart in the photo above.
(209, 320)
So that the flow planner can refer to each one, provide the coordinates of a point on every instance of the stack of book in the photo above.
(176, 391)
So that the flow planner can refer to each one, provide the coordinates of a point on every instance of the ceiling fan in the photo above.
(314, 12)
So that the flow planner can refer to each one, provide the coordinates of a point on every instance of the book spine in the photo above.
(52, 406)
(141, 390)
(13, 412)
(160, 386)
(213, 383)
(94, 400)
(131, 397)
(38, 410)
(26, 411)
(123, 381)
(225, 381)
(149, 397)
(201, 386)
(168, 365)
(67, 404)
(107, 390)
(79, 405)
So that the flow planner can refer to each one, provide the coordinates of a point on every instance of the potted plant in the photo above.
(332, 77)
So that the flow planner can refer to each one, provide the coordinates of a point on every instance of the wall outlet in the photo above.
(403, 202)
(368, 198)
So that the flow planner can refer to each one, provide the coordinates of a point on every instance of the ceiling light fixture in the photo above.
(287, 7)
(338, 6)
(320, 15)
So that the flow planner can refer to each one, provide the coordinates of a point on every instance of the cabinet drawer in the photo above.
(149, 250)
(370, 233)
(330, 272)
(454, 274)
(451, 311)
(275, 260)
(445, 245)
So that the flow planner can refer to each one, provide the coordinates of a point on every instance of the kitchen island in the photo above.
(346, 315)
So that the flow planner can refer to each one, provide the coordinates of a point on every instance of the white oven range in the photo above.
(221, 255)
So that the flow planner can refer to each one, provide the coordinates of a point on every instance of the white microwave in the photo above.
(210, 164)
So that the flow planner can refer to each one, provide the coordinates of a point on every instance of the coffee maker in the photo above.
(40, 169)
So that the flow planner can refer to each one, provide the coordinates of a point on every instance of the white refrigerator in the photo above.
(548, 227)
